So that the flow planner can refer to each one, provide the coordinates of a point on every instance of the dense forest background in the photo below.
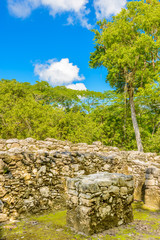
(41, 111)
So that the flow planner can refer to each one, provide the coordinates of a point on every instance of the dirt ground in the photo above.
(146, 225)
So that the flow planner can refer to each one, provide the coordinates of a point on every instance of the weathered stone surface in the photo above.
(2, 167)
(1, 206)
(28, 165)
(106, 167)
(152, 188)
(3, 217)
(44, 191)
(10, 141)
(27, 176)
(99, 203)
(15, 145)
(2, 192)
(42, 170)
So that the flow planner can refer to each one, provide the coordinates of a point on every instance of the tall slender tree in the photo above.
(129, 47)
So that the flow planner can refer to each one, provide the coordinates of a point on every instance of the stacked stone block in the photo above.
(152, 188)
(99, 201)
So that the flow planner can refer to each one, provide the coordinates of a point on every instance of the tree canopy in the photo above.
(129, 47)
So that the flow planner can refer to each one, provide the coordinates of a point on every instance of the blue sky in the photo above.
(51, 40)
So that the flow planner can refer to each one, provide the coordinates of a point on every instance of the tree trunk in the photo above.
(134, 121)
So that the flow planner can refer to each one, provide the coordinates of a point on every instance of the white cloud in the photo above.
(83, 19)
(77, 86)
(23, 8)
(106, 8)
(64, 5)
(70, 20)
(77, 9)
(58, 73)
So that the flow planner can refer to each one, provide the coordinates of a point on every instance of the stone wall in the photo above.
(33, 173)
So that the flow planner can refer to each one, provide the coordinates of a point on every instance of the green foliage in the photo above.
(129, 47)
(41, 111)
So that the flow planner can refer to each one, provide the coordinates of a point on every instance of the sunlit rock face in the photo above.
(99, 201)
(33, 173)
(152, 188)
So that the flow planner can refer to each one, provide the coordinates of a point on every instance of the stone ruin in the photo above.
(99, 201)
(33, 173)
(152, 188)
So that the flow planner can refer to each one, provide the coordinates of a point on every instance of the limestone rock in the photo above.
(2, 192)
(1, 206)
(95, 202)
(44, 191)
(10, 141)
(3, 217)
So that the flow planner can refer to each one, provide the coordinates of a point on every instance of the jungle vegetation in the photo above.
(42, 111)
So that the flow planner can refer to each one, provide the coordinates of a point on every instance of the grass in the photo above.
(146, 225)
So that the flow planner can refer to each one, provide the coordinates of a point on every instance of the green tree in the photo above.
(149, 114)
(129, 47)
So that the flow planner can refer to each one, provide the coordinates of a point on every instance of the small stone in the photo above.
(74, 199)
(42, 170)
(54, 172)
(130, 184)
(10, 141)
(105, 196)
(2, 192)
(123, 191)
(1, 146)
(75, 167)
(104, 211)
(114, 190)
(23, 142)
(2, 180)
(27, 176)
(130, 199)
(34, 171)
(120, 222)
(1, 206)
(84, 210)
(65, 170)
(72, 192)
(29, 202)
(85, 202)
(1, 166)
(15, 145)
(106, 167)
(40, 181)
(3, 217)
(59, 230)
(111, 200)
(44, 191)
